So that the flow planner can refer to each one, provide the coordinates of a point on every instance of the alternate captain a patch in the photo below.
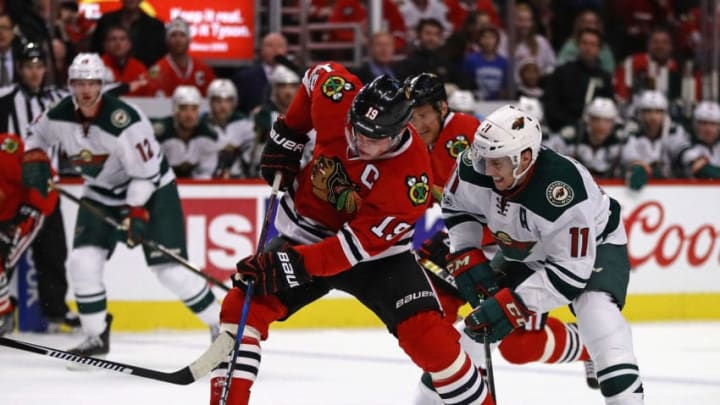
(559, 194)
(418, 189)
(334, 86)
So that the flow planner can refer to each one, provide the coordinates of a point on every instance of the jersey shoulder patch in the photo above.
(116, 115)
(164, 128)
(555, 186)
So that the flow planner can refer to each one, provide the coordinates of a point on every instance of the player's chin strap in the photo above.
(199, 368)
(249, 290)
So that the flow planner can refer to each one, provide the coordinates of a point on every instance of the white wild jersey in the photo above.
(116, 148)
(662, 154)
(200, 151)
(238, 131)
(699, 150)
(552, 223)
(603, 160)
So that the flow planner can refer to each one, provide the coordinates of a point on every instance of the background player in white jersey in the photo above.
(653, 150)
(190, 145)
(598, 143)
(127, 176)
(702, 158)
(562, 238)
(234, 129)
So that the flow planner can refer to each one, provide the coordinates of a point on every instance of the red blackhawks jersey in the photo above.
(345, 210)
(457, 134)
(12, 192)
(165, 76)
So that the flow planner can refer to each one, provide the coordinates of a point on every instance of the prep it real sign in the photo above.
(221, 30)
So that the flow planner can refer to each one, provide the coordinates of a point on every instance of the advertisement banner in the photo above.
(221, 30)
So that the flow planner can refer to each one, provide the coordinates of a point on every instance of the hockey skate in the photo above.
(95, 345)
(68, 323)
(590, 376)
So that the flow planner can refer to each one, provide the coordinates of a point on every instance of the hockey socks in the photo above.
(556, 342)
(244, 372)
(461, 383)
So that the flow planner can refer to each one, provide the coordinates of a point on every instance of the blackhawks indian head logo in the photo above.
(418, 189)
(456, 145)
(331, 183)
(519, 123)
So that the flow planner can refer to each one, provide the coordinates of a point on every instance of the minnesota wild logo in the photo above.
(511, 248)
(418, 189)
(331, 183)
(519, 123)
(334, 86)
(89, 164)
(457, 145)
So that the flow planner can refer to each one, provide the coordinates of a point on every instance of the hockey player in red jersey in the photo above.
(21, 215)
(447, 134)
(347, 223)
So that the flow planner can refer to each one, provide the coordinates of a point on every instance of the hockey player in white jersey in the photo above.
(653, 150)
(235, 130)
(598, 143)
(126, 176)
(190, 145)
(702, 159)
(562, 238)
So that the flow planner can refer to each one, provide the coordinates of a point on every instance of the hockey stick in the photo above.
(448, 280)
(149, 243)
(249, 290)
(186, 375)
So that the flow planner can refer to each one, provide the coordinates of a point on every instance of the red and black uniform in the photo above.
(12, 196)
(165, 76)
(352, 221)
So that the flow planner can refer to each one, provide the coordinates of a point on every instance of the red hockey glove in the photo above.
(496, 317)
(282, 152)
(272, 271)
(474, 278)
(436, 249)
(136, 225)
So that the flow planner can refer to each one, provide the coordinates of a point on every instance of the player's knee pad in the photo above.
(262, 312)
(85, 268)
(430, 342)
(608, 338)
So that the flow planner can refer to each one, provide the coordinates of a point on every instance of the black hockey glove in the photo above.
(436, 249)
(474, 277)
(282, 152)
(272, 271)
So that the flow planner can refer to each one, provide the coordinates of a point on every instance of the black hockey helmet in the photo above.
(380, 109)
(31, 52)
(426, 88)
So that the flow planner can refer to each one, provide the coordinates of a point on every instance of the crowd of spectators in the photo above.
(560, 57)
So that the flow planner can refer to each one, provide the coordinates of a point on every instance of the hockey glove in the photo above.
(474, 277)
(637, 177)
(272, 271)
(136, 225)
(497, 317)
(282, 152)
(436, 249)
(36, 171)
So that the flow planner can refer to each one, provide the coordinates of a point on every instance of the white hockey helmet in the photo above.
(222, 88)
(532, 106)
(651, 100)
(186, 95)
(87, 66)
(601, 107)
(462, 100)
(179, 25)
(507, 132)
(707, 111)
(284, 75)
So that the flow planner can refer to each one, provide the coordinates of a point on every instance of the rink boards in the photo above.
(673, 231)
